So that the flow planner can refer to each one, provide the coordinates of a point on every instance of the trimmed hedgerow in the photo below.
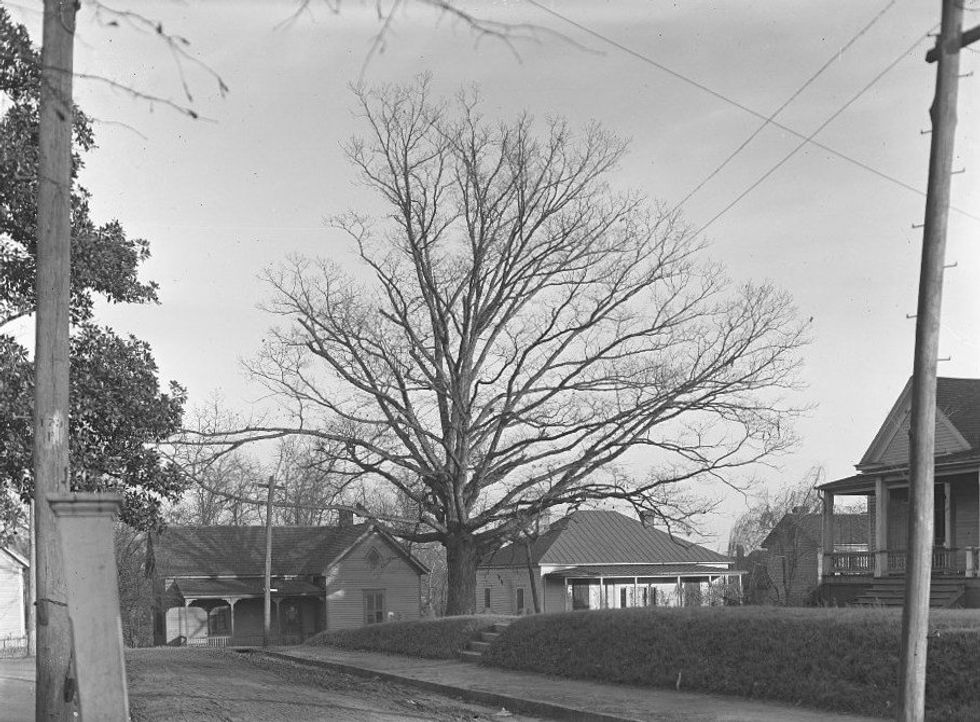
(441, 638)
(843, 660)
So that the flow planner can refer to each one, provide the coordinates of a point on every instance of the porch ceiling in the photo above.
(629, 571)
(244, 588)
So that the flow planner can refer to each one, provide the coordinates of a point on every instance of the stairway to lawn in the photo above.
(476, 646)
(944, 593)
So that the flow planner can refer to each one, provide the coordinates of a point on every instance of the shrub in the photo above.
(836, 659)
(442, 638)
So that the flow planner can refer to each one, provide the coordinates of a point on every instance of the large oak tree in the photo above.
(514, 329)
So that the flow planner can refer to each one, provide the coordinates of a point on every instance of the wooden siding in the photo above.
(355, 573)
(503, 585)
(897, 451)
(12, 621)
(965, 511)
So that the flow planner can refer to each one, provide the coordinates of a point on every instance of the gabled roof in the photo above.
(603, 537)
(848, 529)
(957, 423)
(210, 551)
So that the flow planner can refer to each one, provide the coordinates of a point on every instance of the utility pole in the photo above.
(267, 626)
(915, 615)
(55, 686)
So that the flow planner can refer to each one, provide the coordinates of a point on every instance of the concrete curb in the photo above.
(511, 703)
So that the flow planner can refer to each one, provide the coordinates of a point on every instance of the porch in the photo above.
(956, 551)
(625, 586)
(230, 612)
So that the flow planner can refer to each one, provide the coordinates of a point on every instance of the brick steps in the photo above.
(477, 646)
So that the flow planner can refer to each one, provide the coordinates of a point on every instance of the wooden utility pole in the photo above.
(267, 609)
(915, 616)
(54, 683)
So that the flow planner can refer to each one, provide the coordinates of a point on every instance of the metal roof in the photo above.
(604, 537)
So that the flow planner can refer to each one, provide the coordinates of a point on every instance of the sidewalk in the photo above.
(560, 698)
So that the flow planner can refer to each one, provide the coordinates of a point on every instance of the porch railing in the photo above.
(944, 561)
(959, 561)
(851, 563)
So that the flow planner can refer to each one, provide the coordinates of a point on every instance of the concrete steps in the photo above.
(479, 644)
(944, 593)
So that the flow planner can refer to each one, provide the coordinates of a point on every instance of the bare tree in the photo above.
(521, 328)
(779, 575)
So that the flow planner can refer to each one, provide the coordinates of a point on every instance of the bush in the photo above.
(843, 660)
(441, 638)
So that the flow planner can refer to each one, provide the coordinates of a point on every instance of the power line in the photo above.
(741, 106)
(830, 61)
(808, 139)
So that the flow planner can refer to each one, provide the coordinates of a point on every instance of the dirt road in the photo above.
(188, 685)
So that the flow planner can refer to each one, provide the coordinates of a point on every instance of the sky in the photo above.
(235, 192)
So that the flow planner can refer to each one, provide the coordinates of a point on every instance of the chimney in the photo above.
(345, 518)
(544, 521)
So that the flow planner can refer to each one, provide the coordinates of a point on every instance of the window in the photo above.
(520, 600)
(486, 598)
(374, 606)
(622, 597)
(374, 560)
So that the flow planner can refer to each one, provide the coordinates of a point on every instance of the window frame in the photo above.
(379, 612)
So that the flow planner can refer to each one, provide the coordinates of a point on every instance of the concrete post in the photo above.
(84, 522)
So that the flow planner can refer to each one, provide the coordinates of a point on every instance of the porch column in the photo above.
(232, 603)
(602, 593)
(828, 531)
(881, 528)
(636, 593)
(948, 517)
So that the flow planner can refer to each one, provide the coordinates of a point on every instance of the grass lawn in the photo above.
(441, 638)
(843, 660)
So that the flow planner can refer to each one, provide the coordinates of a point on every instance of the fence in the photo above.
(13, 647)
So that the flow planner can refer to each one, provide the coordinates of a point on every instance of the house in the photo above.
(877, 575)
(787, 572)
(601, 559)
(210, 582)
(13, 616)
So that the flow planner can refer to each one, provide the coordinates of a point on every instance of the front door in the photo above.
(580, 596)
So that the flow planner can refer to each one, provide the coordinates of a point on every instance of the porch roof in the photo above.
(864, 483)
(243, 588)
(629, 571)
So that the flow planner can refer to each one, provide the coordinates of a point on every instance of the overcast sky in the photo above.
(221, 199)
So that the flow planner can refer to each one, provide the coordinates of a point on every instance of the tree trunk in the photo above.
(530, 576)
(461, 559)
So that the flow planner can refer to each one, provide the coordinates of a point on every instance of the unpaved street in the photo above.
(187, 685)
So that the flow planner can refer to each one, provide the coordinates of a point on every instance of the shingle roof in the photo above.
(240, 550)
(223, 588)
(959, 399)
(848, 528)
(604, 537)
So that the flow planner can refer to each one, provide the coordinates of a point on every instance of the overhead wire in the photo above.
(741, 106)
(768, 121)
(833, 116)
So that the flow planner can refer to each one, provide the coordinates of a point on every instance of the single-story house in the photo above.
(13, 613)
(597, 559)
(789, 568)
(210, 582)
(877, 575)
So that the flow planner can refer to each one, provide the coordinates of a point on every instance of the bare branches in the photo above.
(522, 327)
